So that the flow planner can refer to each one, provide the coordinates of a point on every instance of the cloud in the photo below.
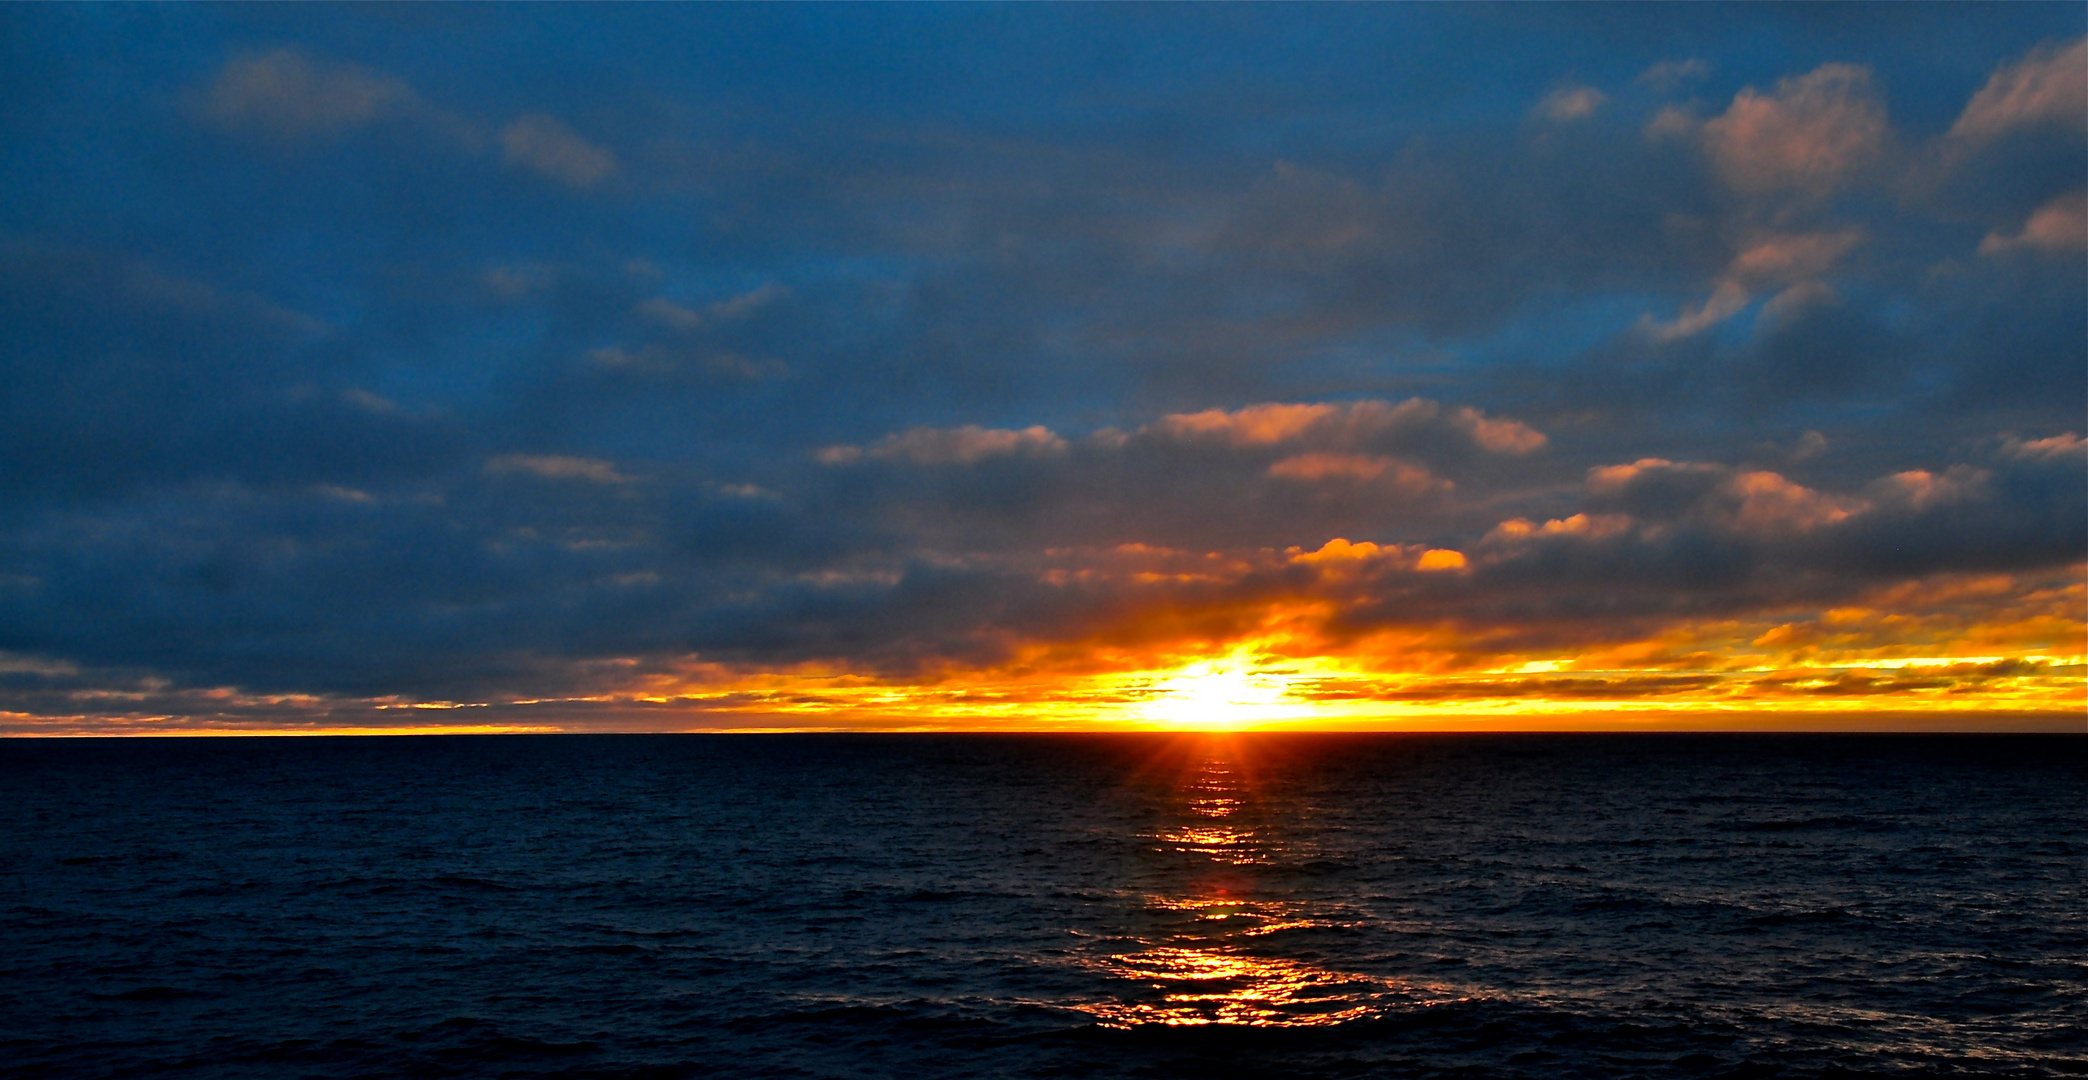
(1809, 135)
(1810, 445)
(1337, 557)
(1753, 502)
(2014, 512)
(1401, 476)
(634, 346)
(1672, 122)
(1414, 426)
(1730, 298)
(389, 419)
(2046, 89)
(542, 144)
(1792, 257)
(1569, 103)
(747, 303)
(123, 375)
(2058, 227)
(1277, 472)
(1768, 503)
(1777, 259)
(669, 313)
(1787, 308)
(288, 94)
(1256, 425)
(1414, 423)
(1920, 489)
(656, 363)
(1668, 74)
(688, 320)
(1662, 549)
(557, 467)
(967, 445)
(2053, 448)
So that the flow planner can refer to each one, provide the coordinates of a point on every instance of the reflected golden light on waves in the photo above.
(1216, 966)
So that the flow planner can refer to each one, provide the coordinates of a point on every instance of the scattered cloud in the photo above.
(542, 144)
(1320, 467)
(1785, 309)
(1794, 256)
(669, 313)
(1809, 134)
(967, 445)
(747, 303)
(1413, 422)
(1262, 425)
(670, 363)
(288, 94)
(557, 467)
(1728, 300)
(688, 320)
(2058, 227)
(1569, 103)
(1669, 74)
(1673, 122)
(1347, 380)
(1794, 260)
(2046, 89)
(2056, 447)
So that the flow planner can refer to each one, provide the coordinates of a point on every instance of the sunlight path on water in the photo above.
(1213, 958)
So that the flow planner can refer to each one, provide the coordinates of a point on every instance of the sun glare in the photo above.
(1223, 695)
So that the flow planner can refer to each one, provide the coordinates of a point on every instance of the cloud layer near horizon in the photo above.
(727, 356)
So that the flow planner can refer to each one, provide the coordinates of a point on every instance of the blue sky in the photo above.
(488, 354)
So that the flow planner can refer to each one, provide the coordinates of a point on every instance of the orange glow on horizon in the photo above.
(1963, 650)
(1226, 694)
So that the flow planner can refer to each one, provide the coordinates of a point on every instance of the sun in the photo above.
(1222, 695)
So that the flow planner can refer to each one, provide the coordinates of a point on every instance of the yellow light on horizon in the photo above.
(1222, 695)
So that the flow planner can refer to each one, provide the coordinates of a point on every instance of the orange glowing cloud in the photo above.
(1809, 133)
(1683, 593)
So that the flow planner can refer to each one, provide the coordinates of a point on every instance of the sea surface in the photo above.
(998, 905)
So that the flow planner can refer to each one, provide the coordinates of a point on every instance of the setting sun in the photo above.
(1223, 694)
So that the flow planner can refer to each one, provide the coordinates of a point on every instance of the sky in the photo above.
(402, 368)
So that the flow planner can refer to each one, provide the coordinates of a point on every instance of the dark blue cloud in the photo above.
(456, 351)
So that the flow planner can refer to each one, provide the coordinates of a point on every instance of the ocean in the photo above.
(920, 906)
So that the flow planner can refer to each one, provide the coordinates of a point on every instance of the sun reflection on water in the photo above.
(1213, 962)
(1207, 987)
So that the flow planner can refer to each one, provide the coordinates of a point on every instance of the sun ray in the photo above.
(1224, 694)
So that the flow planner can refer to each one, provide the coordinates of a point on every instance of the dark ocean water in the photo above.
(927, 906)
